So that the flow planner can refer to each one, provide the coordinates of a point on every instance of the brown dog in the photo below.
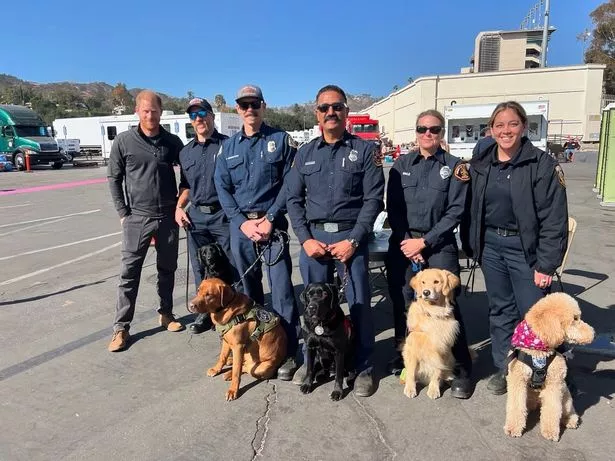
(254, 336)
(432, 330)
(536, 372)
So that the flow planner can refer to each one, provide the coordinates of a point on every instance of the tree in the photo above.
(410, 80)
(219, 102)
(602, 47)
(190, 95)
(120, 96)
(395, 87)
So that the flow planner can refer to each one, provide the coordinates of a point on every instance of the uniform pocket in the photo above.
(132, 232)
(235, 164)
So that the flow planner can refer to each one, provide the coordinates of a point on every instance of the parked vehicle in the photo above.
(96, 134)
(23, 132)
(466, 124)
(70, 147)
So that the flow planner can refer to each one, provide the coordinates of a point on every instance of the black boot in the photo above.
(201, 324)
(462, 388)
(497, 383)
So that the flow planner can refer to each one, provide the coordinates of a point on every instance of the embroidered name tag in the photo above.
(406, 173)
(313, 162)
(232, 157)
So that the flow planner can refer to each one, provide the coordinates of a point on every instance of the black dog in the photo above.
(214, 263)
(328, 337)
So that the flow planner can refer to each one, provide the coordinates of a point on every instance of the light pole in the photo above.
(545, 35)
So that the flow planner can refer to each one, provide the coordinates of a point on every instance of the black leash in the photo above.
(261, 248)
(187, 266)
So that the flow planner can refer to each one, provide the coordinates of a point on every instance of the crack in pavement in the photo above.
(378, 426)
(262, 424)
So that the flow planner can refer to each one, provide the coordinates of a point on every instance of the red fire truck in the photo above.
(363, 126)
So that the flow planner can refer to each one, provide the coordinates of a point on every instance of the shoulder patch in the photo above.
(378, 157)
(462, 172)
(560, 175)
(292, 142)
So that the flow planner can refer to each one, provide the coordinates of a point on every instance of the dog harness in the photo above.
(524, 337)
(265, 321)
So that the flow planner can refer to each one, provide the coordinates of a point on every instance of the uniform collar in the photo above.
(416, 157)
(215, 138)
(526, 152)
(346, 138)
(264, 131)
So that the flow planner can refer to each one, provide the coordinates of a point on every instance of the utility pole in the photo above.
(545, 35)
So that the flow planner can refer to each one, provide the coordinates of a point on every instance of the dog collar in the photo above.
(524, 337)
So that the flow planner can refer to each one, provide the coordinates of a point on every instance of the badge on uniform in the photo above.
(445, 172)
(462, 172)
(378, 157)
(560, 175)
(353, 157)
(271, 146)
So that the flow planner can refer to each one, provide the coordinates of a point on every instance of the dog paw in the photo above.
(231, 395)
(433, 392)
(512, 430)
(410, 391)
(572, 422)
(305, 388)
(336, 395)
(213, 371)
(550, 433)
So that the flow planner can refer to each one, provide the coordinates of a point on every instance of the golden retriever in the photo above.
(260, 357)
(555, 319)
(432, 327)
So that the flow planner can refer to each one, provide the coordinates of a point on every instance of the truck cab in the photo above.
(23, 132)
(363, 126)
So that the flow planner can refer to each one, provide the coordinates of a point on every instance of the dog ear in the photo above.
(414, 282)
(303, 295)
(451, 282)
(226, 292)
(546, 321)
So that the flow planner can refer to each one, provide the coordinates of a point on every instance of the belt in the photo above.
(255, 214)
(415, 233)
(504, 232)
(209, 209)
(333, 226)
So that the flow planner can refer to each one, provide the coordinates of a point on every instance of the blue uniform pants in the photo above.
(399, 274)
(358, 292)
(207, 228)
(510, 289)
(278, 276)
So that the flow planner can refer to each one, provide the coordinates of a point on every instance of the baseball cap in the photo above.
(200, 103)
(250, 91)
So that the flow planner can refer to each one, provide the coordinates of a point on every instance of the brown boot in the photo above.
(169, 322)
(118, 341)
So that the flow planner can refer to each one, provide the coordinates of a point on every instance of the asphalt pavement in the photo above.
(63, 396)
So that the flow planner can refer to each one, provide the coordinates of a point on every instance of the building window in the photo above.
(489, 54)
(111, 133)
(190, 131)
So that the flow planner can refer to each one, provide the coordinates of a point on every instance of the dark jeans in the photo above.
(358, 292)
(399, 274)
(137, 232)
(510, 289)
(278, 275)
(208, 228)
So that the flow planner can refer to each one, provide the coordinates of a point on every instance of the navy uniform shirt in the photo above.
(250, 173)
(424, 195)
(336, 183)
(498, 200)
(198, 162)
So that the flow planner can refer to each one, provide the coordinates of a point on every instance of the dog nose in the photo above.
(426, 292)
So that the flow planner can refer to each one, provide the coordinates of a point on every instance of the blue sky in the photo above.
(288, 47)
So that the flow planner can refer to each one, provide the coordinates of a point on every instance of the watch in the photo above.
(354, 243)
(270, 217)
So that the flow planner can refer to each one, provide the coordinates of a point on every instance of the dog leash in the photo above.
(187, 266)
(260, 250)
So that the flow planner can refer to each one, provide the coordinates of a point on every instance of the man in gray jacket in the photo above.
(144, 192)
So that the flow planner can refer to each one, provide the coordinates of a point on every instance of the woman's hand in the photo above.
(541, 280)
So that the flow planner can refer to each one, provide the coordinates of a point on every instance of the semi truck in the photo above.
(23, 133)
(96, 134)
(466, 124)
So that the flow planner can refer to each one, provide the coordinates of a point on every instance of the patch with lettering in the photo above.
(271, 146)
(312, 162)
(378, 157)
(462, 172)
(292, 142)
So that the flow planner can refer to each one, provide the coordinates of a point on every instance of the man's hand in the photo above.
(264, 228)
(181, 218)
(251, 230)
(314, 249)
(341, 250)
(122, 221)
(412, 247)
(542, 280)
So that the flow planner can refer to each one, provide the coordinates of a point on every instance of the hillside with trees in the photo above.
(68, 99)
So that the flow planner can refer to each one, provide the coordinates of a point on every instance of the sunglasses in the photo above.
(253, 104)
(432, 129)
(337, 107)
(199, 113)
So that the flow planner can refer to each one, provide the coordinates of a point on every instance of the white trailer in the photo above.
(97, 133)
(465, 125)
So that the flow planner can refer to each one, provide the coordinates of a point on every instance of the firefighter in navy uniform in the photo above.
(425, 203)
(250, 175)
(335, 193)
(204, 220)
(517, 227)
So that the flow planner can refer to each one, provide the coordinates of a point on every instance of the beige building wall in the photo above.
(574, 94)
(512, 51)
